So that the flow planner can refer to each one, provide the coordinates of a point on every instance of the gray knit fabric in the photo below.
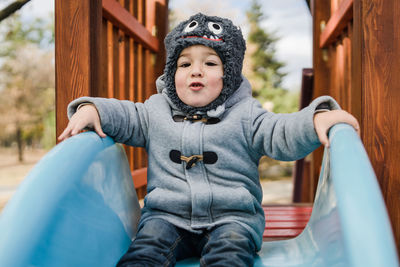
(217, 33)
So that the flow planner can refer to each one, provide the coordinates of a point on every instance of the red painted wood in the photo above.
(281, 233)
(287, 217)
(285, 225)
(283, 222)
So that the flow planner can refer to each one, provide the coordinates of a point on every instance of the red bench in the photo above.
(285, 221)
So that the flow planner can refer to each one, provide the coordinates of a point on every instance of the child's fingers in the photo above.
(64, 135)
(323, 137)
(99, 131)
(350, 119)
(73, 128)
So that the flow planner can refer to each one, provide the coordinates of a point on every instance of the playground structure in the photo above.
(355, 50)
(83, 211)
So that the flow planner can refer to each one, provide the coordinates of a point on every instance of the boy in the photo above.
(204, 134)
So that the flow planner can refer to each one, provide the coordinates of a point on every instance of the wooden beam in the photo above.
(307, 85)
(378, 49)
(121, 18)
(77, 50)
(337, 22)
(320, 10)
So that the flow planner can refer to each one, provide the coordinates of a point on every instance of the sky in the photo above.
(37, 8)
(290, 20)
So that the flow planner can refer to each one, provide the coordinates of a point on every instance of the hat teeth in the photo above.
(205, 36)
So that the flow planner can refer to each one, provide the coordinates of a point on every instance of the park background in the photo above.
(277, 32)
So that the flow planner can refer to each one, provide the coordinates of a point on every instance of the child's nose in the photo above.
(197, 70)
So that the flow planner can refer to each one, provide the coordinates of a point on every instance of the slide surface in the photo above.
(78, 207)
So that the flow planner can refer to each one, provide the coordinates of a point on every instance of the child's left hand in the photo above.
(325, 120)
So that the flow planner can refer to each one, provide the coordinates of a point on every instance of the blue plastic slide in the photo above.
(78, 207)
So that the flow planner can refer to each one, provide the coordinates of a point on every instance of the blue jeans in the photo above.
(159, 243)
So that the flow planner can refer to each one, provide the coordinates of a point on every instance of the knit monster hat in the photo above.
(217, 33)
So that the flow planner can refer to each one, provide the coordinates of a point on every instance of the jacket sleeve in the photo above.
(286, 136)
(125, 121)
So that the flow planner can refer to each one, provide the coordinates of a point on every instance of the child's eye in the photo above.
(210, 63)
(184, 65)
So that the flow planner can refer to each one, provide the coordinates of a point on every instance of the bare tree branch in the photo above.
(12, 8)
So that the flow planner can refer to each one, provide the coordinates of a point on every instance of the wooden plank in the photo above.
(103, 90)
(285, 221)
(379, 39)
(320, 10)
(161, 30)
(77, 53)
(122, 60)
(140, 76)
(307, 85)
(356, 61)
(286, 212)
(121, 64)
(131, 78)
(139, 177)
(337, 22)
(286, 224)
(288, 217)
(120, 17)
(110, 57)
(150, 70)
(298, 209)
(281, 233)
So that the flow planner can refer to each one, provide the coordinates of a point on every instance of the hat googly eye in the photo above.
(191, 26)
(215, 27)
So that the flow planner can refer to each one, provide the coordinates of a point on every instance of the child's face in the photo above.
(198, 77)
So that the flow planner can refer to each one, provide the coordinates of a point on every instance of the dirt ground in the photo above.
(276, 191)
(13, 172)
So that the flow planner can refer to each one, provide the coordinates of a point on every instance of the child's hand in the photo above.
(85, 116)
(325, 120)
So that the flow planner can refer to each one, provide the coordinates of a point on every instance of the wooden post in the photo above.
(77, 45)
(301, 175)
(320, 12)
(161, 28)
(377, 57)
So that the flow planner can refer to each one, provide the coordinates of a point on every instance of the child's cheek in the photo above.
(180, 84)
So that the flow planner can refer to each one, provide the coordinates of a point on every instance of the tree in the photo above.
(26, 81)
(12, 8)
(261, 66)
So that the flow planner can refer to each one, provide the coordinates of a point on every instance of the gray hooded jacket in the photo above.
(213, 191)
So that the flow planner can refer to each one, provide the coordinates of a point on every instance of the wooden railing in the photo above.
(338, 21)
(336, 44)
(304, 187)
(333, 64)
(356, 52)
(110, 49)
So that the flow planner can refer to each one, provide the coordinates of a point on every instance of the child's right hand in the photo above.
(86, 116)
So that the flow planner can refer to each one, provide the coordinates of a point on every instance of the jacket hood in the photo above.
(241, 93)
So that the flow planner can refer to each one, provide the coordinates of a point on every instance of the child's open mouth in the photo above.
(196, 86)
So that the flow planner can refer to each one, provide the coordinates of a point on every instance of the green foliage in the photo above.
(16, 33)
(27, 94)
(265, 71)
